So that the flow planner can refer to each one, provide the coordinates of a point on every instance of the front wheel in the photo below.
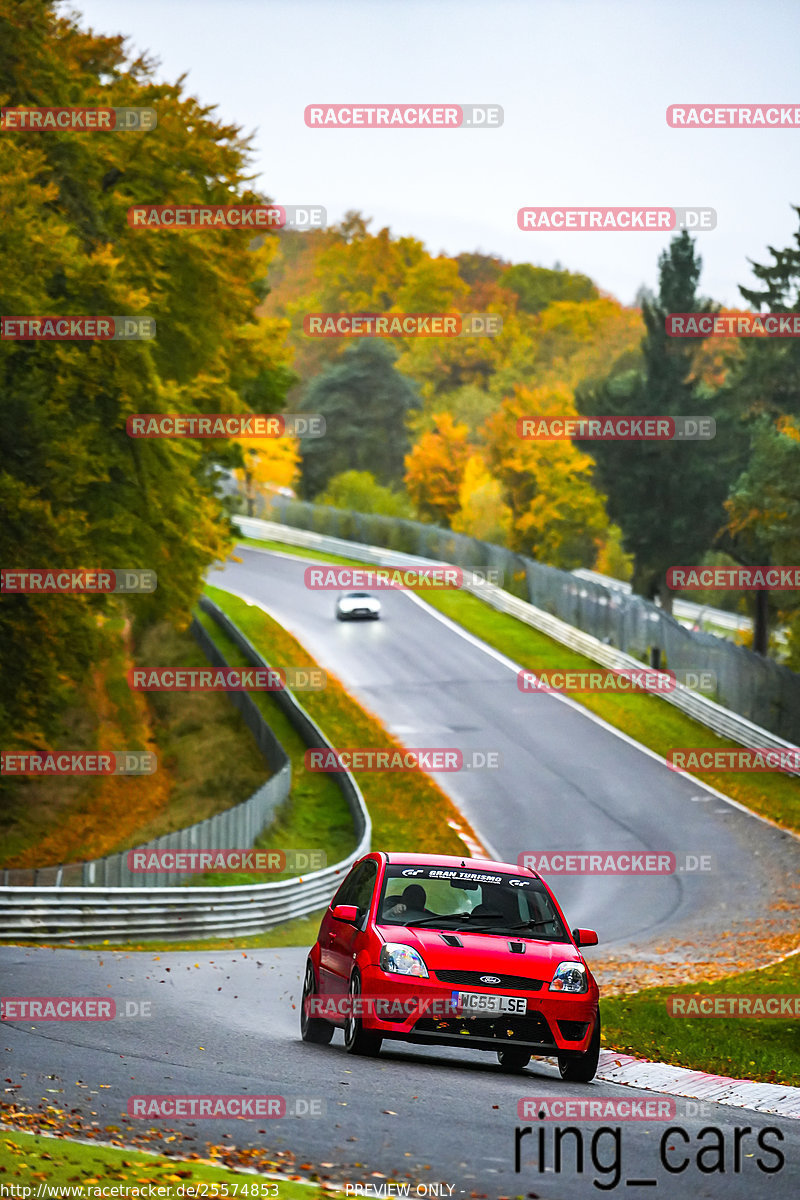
(581, 1070)
(512, 1059)
(312, 1029)
(357, 1039)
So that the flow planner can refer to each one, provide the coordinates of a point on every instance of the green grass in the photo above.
(29, 1159)
(639, 1024)
(645, 718)
(315, 815)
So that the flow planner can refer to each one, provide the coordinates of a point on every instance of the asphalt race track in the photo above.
(228, 1022)
(566, 781)
(223, 1023)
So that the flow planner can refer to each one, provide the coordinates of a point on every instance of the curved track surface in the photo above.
(566, 781)
(226, 1023)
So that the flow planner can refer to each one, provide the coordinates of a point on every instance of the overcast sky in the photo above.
(584, 85)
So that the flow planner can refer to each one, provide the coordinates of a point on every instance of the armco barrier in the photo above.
(721, 720)
(123, 913)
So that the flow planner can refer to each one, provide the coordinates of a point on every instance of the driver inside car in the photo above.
(411, 903)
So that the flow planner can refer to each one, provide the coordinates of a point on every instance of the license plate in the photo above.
(483, 1002)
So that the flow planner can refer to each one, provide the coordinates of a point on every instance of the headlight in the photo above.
(570, 977)
(403, 960)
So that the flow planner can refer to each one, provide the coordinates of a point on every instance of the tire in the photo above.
(512, 1059)
(583, 1069)
(357, 1039)
(313, 1029)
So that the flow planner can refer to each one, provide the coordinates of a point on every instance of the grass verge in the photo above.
(29, 1159)
(645, 718)
(639, 1024)
(314, 816)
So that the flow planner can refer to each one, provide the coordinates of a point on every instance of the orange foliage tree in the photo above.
(557, 514)
(435, 468)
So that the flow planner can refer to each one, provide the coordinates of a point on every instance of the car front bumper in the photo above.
(555, 1022)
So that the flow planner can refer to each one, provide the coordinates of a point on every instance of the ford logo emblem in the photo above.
(490, 979)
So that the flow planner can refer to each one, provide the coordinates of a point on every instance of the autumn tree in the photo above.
(269, 464)
(77, 490)
(558, 517)
(536, 287)
(482, 511)
(435, 467)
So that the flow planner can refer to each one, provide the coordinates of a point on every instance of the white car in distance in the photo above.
(357, 606)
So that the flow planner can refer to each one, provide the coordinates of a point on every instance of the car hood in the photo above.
(484, 952)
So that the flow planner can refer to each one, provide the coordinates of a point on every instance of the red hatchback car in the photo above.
(450, 951)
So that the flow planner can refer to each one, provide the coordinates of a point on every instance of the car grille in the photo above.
(505, 1027)
(473, 979)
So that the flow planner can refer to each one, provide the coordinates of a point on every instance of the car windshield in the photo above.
(358, 596)
(461, 899)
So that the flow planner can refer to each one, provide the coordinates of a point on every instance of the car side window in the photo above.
(357, 887)
(365, 886)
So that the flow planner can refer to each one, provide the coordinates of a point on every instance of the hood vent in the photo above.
(452, 939)
(516, 947)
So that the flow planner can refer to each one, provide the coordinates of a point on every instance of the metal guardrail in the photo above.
(707, 712)
(119, 913)
(686, 611)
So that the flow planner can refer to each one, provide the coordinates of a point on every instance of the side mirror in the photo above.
(349, 914)
(584, 937)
